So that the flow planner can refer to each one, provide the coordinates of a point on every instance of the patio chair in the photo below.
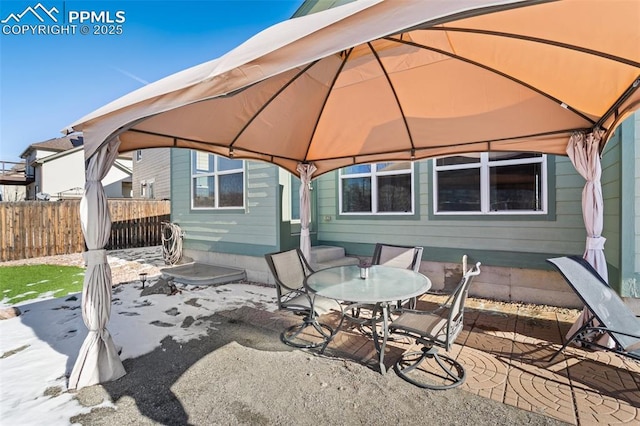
(610, 314)
(397, 256)
(406, 257)
(289, 269)
(433, 330)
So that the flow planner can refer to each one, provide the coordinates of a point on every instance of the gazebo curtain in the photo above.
(583, 150)
(98, 360)
(306, 173)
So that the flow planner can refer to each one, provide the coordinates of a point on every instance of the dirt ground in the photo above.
(242, 375)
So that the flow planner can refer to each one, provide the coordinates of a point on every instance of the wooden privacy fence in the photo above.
(40, 228)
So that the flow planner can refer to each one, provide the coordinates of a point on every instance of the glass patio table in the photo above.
(383, 285)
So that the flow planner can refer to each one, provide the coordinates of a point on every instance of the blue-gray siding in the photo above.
(563, 234)
(251, 230)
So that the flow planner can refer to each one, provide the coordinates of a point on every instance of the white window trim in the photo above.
(484, 165)
(216, 174)
(150, 184)
(374, 190)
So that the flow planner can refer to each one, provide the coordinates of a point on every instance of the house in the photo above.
(151, 173)
(528, 209)
(13, 181)
(57, 166)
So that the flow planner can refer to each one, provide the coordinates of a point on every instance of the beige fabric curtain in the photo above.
(306, 172)
(98, 360)
(583, 152)
(585, 156)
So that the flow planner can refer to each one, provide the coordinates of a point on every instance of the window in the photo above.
(490, 183)
(378, 188)
(146, 188)
(138, 155)
(295, 199)
(216, 182)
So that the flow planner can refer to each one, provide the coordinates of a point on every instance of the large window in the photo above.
(216, 182)
(380, 188)
(491, 183)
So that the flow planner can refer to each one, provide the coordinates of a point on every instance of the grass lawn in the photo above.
(20, 283)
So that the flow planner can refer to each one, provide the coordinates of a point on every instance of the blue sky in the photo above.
(49, 81)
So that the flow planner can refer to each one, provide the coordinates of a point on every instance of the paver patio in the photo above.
(504, 348)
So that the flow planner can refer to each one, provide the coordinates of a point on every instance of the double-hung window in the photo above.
(216, 182)
(377, 189)
(490, 183)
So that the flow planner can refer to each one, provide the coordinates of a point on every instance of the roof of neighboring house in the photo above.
(61, 144)
(57, 144)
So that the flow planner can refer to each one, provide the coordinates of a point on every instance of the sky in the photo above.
(48, 81)
(41, 345)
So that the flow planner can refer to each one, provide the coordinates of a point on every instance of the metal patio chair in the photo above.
(396, 256)
(433, 330)
(289, 269)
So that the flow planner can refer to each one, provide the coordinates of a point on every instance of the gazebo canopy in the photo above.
(371, 81)
(374, 81)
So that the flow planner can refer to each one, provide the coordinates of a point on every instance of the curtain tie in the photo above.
(596, 242)
(94, 257)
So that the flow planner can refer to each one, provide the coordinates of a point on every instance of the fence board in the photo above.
(40, 228)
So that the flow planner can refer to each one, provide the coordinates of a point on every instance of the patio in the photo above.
(503, 348)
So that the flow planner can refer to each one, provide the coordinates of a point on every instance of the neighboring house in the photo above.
(511, 212)
(151, 173)
(13, 181)
(58, 168)
(13, 193)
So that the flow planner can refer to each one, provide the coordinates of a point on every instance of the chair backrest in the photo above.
(455, 320)
(605, 304)
(405, 257)
(289, 269)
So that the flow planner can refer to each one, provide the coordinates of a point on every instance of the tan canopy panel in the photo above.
(372, 81)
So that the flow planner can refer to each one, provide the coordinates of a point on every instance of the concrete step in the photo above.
(322, 254)
(336, 262)
(323, 257)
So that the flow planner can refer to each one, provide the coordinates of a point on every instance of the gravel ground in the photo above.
(125, 265)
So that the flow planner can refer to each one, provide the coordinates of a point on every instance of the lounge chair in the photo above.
(289, 269)
(433, 330)
(606, 307)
